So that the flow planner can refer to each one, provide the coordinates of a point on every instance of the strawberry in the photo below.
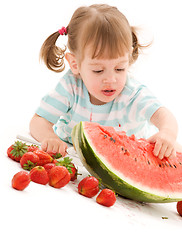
(54, 161)
(48, 166)
(32, 148)
(29, 160)
(39, 175)
(106, 197)
(35, 158)
(89, 186)
(44, 157)
(67, 162)
(16, 150)
(74, 172)
(54, 155)
(59, 176)
(20, 180)
(179, 208)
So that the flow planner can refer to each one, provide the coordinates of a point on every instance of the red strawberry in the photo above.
(16, 150)
(44, 157)
(29, 160)
(179, 208)
(89, 186)
(54, 155)
(54, 161)
(67, 162)
(32, 148)
(59, 176)
(74, 172)
(48, 167)
(106, 198)
(20, 180)
(39, 175)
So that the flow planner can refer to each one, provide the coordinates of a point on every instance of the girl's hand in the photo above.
(165, 143)
(54, 145)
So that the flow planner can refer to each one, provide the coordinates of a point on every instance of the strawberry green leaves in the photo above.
(66, 162)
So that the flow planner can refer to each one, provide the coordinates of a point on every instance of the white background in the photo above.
(24, 25)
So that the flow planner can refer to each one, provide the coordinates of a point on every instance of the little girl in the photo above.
(98, 87)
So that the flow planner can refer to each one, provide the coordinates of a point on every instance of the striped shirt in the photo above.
(69, 103)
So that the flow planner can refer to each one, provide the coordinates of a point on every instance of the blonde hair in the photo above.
(101, 26)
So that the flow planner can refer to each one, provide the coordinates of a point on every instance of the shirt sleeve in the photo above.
(143, 104)
(57, 102)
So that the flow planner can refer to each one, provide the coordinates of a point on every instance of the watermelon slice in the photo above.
(127, 165)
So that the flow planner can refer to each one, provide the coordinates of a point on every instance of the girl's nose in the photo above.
(110, 78)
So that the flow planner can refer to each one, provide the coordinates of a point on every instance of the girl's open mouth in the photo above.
(108, 92)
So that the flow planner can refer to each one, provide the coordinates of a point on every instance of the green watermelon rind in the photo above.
(97, 168)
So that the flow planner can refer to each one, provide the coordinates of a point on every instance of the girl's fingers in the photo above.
(44, 146)
(157, 148)
(168, 152)
(173, 154)
(62, 149)
(162, 151)
(55, 148)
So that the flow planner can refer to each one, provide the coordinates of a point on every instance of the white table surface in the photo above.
(49, 213)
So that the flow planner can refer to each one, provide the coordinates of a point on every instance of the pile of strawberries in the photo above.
(51, 168)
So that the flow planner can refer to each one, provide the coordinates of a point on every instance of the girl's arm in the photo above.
(41, 129)
(165, 139)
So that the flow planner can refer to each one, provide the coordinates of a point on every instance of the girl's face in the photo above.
(103, 78)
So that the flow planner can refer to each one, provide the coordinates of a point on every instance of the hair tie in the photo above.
(63, 31)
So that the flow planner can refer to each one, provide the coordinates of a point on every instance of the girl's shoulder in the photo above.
(132, 86)
(69, 77)
(70, 82)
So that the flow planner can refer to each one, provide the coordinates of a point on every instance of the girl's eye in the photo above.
(120, 69)
(97, 71)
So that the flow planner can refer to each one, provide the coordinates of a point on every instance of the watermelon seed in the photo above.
(148, 163)
(170, 165)
(105, 136)
(175, 166)
(112, 139)
(166, 164)
(122, 148)
(135, 159)
(180, 163)
(159, 165)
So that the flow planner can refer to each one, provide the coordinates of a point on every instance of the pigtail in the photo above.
(52, 55)
(137, 47)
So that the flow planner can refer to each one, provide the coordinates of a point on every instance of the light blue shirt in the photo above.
(69, 103)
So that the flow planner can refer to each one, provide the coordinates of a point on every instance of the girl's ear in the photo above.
(72, 62)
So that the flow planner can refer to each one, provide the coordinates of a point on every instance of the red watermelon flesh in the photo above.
(133, 160)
